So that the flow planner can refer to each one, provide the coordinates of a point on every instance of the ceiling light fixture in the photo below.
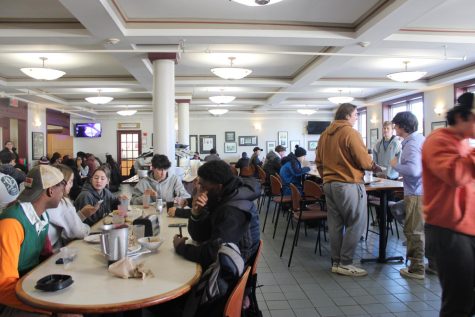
(231, 72)
(406, 76)
(218, 111)
(255, 3)
(126, 113)
(340, 99)
(222, 99)
(99, 100)
(43, 73)
(306, 112)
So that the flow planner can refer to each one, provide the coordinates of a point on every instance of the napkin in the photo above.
(126, 268)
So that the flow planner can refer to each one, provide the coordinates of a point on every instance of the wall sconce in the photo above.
(374, 120)
(439, 110)
(258, 126)
(37, 122)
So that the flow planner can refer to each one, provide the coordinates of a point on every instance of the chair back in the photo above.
(296, 197)
(275, 186)
(278, 177)
(246, 171)
(233, 306)
(234, 170)
(262, 174)
(256, 258)
(312, 190)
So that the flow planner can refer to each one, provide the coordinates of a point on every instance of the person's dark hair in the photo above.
(70, 163)
(161, 161)
(244, 155)
(81, 154)
(110, 159)
(212, 151)
(6, 157)
(56, 156)
(216, 172)
(8, 141)
(65, 157)
(459, 110)
(407, 121)
(299, 151)
(344, 110)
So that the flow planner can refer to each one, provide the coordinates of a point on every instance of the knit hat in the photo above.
(38, 179)
(300, 151)
(216, 172)
(280, 148)
(467, 100)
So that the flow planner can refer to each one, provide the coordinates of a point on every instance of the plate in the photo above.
(134, 248)
(54, 282)
(94, 238)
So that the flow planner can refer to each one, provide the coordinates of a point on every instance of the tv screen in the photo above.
(317, 127)
(88, 130)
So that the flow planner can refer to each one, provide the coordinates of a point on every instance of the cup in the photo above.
(117, 218)
(139, 231)
(122, 210)
(126, 203)
(368, 176)
(146, 201)
(159, 205)
(68, 255)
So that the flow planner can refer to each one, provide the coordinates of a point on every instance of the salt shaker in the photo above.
(159, 205)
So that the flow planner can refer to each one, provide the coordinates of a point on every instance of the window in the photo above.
(414, 104)
(360, 124)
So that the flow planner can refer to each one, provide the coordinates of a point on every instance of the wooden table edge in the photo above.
(109, 308)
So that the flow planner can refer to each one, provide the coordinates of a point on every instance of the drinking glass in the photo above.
(139, 231)
(146, 200)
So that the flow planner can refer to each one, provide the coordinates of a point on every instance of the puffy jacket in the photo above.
(291, 173)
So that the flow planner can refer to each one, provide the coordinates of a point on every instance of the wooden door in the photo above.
(129, 146)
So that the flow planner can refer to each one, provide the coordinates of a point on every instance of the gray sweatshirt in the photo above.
(383, 156)
(167, 189)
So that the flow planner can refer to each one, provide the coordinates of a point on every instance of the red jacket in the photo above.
(448, 177)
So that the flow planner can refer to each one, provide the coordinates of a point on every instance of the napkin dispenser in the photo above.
(151, 223)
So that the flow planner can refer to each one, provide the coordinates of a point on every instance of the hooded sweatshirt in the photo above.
(90, 196)
(167, 189)
(341, 154)
(291, 172)
(272, 164)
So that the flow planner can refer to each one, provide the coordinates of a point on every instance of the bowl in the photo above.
(151, 243)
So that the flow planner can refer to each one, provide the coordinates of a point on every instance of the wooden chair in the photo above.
(264, 187)
(277, 197)
(246, 171)
(302, 213)
(252, 282)
(233, 306)
(234, 170)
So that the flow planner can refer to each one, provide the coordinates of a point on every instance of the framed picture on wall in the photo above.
(270, 146)
(282, 137)
(230, 147)
(312, 145)
(438, 124)
(248, 141)
(37, 145)
(373, 137)
(193, 143)
(293, 143)
(207, 142)
(230, 136)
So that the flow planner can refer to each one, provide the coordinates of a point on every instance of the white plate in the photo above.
(134, 248)
(93, 238)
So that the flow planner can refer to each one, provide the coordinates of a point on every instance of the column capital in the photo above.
(183, 101)
(158, 56)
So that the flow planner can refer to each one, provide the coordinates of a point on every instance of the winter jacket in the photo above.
(272, 165)
(291, 173)
(233, 219)
(10, 170)
(341, 154)
(383, 157)
(167, 189)
(89, 196)
(212, 157)
(242, 162)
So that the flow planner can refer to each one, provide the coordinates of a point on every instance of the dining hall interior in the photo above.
(129, 77)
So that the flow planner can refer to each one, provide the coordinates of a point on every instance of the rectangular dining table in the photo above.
(95, 290)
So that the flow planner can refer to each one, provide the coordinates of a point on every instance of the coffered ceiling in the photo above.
(301, 51)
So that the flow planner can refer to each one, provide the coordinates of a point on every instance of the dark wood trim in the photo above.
(157, 56)
(183, 100)
(22, 139)
(387, 106)
(119, 133)
(19, 112)
(57, 118)
(461, 87)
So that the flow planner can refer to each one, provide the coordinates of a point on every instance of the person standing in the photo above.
(341, 160)
(386, 149)
(448, 178)
(410, 168)
(255, 160)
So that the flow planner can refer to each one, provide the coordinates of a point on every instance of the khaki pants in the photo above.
(414, 232)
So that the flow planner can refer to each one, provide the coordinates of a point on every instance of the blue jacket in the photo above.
(291, 172)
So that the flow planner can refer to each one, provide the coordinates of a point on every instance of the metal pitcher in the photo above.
(114, 241)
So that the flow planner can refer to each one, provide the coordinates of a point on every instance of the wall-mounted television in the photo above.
(317, 127)
(88, 130)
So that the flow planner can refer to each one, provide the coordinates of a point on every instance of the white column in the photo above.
(183, 122)
(164, 108)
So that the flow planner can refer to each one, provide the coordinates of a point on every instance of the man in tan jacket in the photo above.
(341, 160)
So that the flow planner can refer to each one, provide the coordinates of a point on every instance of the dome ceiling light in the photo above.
(218, 111)
(306, 112)
(43, 73)
(340, 99)
(99, 100)
(126, 113)
(222, 99)
(256, 3)
(406, 76)
(231, 72)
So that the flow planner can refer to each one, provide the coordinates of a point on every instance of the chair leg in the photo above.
(324, 230)
(319, 241)
(277, 219)
(297, 231)
(275, 210)
(285, 237)
(265, 218)
(397, 229)
(367, 222)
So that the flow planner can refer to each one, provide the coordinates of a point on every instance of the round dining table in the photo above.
(96, 290)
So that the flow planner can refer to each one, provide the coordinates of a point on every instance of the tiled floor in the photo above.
(308, 288)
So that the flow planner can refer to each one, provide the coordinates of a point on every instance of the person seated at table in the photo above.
(213, 156)
(23, 232)
(81, 164)
(292, 171)
(65, 224)
(8, 167)
(223, 211)
(196, 156)
(95, 193)
(116, 177)
(9, 190)
(55, 158)
(159, 184)
(273, 163)
(243, 161)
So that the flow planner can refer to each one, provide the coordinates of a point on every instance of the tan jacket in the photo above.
(341, 154)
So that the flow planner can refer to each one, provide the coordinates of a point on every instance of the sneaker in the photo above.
(405, 272)
(431, 269)
(335, 267)
(351, 270)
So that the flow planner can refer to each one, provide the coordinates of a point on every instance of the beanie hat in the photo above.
(300, 151)
(216, 172)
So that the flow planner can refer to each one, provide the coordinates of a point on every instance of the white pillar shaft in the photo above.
(164, 108)
(183, 123)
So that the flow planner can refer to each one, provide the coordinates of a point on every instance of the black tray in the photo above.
(54, 282)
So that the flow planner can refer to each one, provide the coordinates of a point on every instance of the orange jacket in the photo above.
(341, 154)
(448, 179)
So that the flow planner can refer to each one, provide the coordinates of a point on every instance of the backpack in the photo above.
(218, 280)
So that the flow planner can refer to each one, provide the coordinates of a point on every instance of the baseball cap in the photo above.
(257, 149)
(44, 160)
(38, 179)
(280, 148)
(8, 190)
